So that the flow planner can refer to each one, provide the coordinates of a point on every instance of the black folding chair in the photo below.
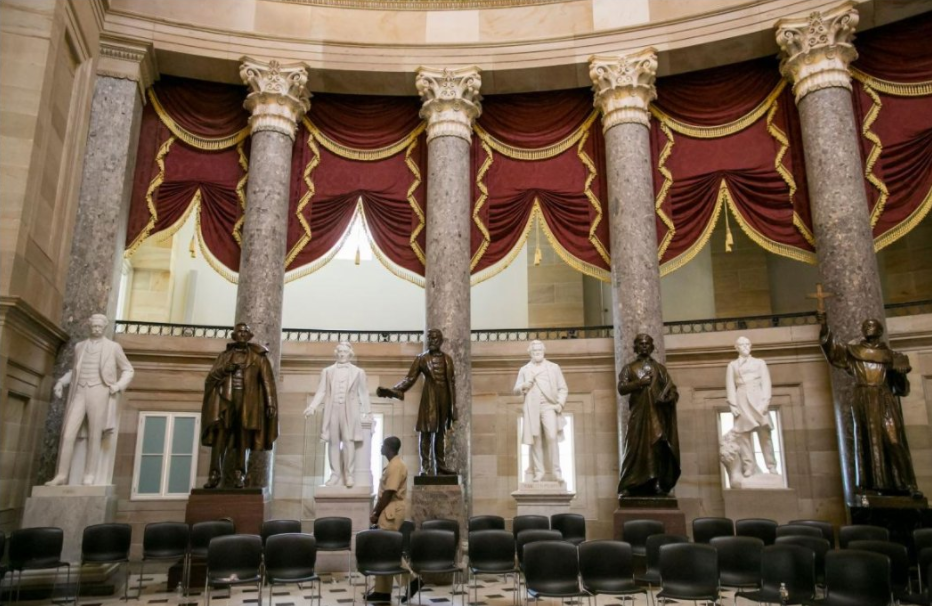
(201, 535)
(571, 525)
(378, 553)
(790, 567)
(37, 549)
(234, 560)
(433, 551)
(551, 570)
(861, 532)
(856, 577)
(105, 544)
(635, 533)
(492, 552)
(291, 558)
(335, 533)
(487, 522)
(164, 541)
(689, 571)
(760, 528)
(274, 527)
(607, 568)
(706, 529)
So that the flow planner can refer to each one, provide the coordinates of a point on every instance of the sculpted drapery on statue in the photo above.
(437, 411)
(882, 461)
(100, 372)
(345, 396)
(240, 408)
(651, 464)
(544, 389)
(748, 389)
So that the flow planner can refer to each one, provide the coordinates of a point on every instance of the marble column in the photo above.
(623, 89)
(816, 52)
(278, 98)
(451, 102)
(99, 235)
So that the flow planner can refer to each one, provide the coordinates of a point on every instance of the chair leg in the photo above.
(77, 593)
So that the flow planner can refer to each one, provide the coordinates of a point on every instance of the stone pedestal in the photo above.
(543, 498)
(432, 498)
(662, 509)
(247, 507)
(71, 508)
(354, 503)
(780, 504)
(899, 515)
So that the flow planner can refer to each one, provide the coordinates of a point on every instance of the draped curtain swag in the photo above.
(724, 141)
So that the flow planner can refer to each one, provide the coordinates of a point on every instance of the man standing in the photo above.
(544, 389)
(747, 385)
(437, 411)
(240, 408)
(882, 462)
(389, 510)
(651, 464)
(345, 395)
(92, 399)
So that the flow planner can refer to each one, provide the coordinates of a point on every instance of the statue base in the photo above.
(420, 480)
(542, 498)
(432, 501)
(780, 504)
(71, 508)
(899, 515)
(354, 503)
(662, 509)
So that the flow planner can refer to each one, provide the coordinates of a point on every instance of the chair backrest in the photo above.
(635, 532)
(492, 549)
(571, 525)
(817, 545)
(760, 528)
(529, 522)
(106, 543)
(925, 566)
(486, 523)
(273, 527)
(38, 547)
(290, 556)
(922, 539)
(655, 542)
(334, 533)
(827, 528)
(234, 556)
(789, 565)
(706, 529)
(605, 565)
(798, 530)
(857, 577)
(690, 568)
(738, 557)
(526, 537)
(378, 550)
(861, 532)
(899, 559)
(443, 524)
(165, 540)
(203, 532)
(432, 549)
(551, 567)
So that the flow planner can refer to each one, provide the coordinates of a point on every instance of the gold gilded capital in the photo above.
(451, 100)
(816, 50)
(278, 96)
(623, 87)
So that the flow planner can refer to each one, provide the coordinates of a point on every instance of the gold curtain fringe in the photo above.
(539, 153)
(387, 263)
(590, 195)
(306, 270)
(905, 226)
(480, 202)
(690, 253)
(897, 89)
(503, 263)
(874, 154)
(722, 130)
(363, 155)
(304, 201)
(577, 264)
(760, 239)
(165, 234)
(412, 201)
(150, 202)
(241, 193)
(665, 191)
(787, 176)
(214, 263)
(803, 229)
(205, 143)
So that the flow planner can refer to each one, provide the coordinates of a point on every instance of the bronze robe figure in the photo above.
(882, 461)
(651, 465)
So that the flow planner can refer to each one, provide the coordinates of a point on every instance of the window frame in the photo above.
(163, 494)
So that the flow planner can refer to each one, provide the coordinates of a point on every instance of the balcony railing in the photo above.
(312, 335)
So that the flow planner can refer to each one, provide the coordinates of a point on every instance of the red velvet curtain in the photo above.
(539, 153)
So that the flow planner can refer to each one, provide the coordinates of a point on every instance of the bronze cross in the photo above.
(820, 295)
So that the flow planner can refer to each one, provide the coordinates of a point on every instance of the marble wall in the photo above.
(170, 373)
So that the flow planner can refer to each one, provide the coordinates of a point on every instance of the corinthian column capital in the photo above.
(451, 100)
(816, 50)
(278, 95)
(624, 87)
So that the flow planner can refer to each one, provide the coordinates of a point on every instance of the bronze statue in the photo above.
(881, 455)
(651, 464)
(240, 408)
(437, 411)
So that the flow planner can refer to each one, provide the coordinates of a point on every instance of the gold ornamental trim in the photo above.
(905, 226)
(897, 89)
(537, 153)
(664, 192)
(150, 202)
(480, 202)
(363, 155)
(197, 141)
(787, 175)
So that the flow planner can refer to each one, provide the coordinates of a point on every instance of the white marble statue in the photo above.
(747, 383)
(345, 395)
(100, 372)
(544, 389)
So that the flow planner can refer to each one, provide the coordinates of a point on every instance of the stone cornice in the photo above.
(451, 100)
(123, 57)
(16, 314)
(623, 87)
(278, 96)
(816, 50)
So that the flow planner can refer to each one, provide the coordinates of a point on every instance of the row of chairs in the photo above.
(572, 526)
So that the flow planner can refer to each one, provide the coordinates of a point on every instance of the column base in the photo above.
(780, 504)
(542, 498)
(354, 503)
(71, 508)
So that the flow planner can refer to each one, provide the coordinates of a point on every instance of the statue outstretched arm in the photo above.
(835, 351)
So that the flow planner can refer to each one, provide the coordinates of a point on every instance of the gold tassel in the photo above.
(538, 256)
(192, 248)
(357, 255)
(729, 239)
